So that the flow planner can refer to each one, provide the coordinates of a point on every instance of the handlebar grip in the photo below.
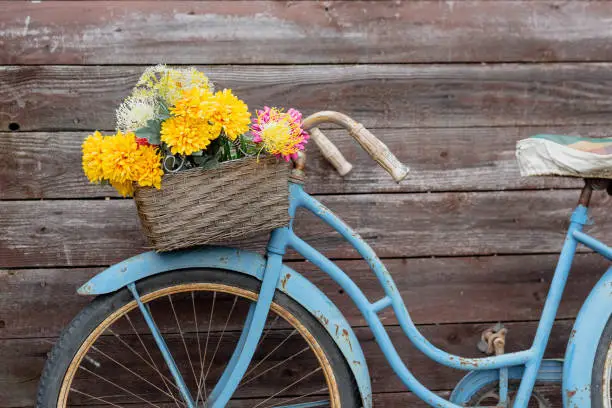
(370, 143)
(331, 152)
(379, 152)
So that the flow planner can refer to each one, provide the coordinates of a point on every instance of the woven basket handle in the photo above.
(370, 143)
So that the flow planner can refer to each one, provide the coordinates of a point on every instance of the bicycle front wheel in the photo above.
(108, 357)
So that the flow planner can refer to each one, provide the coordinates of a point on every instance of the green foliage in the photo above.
(151, 132)
(164, 112)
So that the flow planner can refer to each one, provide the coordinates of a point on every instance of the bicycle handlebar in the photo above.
(370, 143)
(331, 152)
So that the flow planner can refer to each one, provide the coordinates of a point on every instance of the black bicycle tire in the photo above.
(599, 366)
(73, 336)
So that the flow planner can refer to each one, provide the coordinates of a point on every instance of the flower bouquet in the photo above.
(199, 169)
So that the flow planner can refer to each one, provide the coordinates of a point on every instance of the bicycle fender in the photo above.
(551, 371)
(583, 342)
(250, 263)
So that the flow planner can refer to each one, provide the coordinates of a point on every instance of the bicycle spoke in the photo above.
(289, 386)
(178, 325)
(119, 387)
(293, 399)
(152, 363)
(268, 330)
(270, 353)
(276, 365)
(201, 383)
(195, 320)
(164, 379)
(95, 398)
(130, 371)
(212, 360)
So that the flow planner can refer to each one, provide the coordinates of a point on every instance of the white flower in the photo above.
(135, 111)
(151, 75)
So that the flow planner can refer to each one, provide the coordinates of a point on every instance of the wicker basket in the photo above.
(235, 200)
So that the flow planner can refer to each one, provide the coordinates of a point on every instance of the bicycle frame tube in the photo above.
(253, 328)
(530, 359)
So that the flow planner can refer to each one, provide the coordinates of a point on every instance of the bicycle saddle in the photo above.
(560, 155)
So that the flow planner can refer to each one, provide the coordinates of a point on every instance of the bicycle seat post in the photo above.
(587, 191)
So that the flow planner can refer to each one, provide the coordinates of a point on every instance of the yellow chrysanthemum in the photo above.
(93, 158)
(149, 169)
(120, 157)
(187, 134)
(231, 113)
(119, 160)
(196, 102)
(126, 188)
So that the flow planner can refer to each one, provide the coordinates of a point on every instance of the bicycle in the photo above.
(275, 319)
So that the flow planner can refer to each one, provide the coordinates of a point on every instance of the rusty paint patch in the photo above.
(355, 362)
(467, 362)
(86, 289)
(345, 334)
(284, 280)
(337, 328)
(570, 393)
(322, 318)
(224, 260)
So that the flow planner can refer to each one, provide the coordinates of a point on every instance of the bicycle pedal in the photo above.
(493, 340)
(483, 346)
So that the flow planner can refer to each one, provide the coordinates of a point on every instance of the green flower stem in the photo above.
(227, 149)
(243, 146)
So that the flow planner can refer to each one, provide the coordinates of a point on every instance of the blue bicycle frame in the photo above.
(525, 365)
(530, 358)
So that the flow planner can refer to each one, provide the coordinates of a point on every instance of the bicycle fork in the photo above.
(247, 343)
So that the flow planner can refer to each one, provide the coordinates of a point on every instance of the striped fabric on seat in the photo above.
(561, 155)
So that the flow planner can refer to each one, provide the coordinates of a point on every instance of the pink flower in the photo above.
(279, 132)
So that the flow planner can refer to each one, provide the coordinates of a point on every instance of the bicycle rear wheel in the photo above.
(601, 380)
(107, 356)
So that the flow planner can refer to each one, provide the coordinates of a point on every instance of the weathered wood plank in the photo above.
(40, 302)
(24, 358)
(102, 232)
(84, 97)
(47, 165)
(190, 32)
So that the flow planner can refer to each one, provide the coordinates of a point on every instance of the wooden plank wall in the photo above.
(449, 86)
